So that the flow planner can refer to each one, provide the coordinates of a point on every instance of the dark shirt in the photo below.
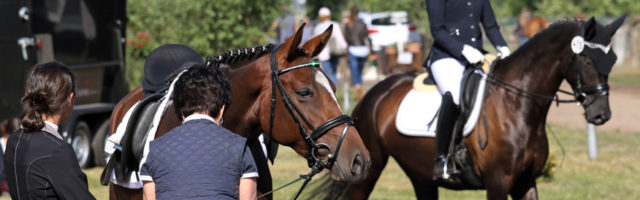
(39, 165)
(456, 23)
(198, 160)
(356, 33)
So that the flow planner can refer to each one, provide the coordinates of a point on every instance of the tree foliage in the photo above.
(206, 26)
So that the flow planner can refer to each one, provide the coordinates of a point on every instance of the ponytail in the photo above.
(46, 91)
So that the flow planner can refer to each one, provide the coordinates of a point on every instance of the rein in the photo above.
(316, 164)
(579, 95)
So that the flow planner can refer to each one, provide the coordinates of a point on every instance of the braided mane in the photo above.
(232, 56)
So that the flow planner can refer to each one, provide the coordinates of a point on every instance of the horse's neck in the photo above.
(536, 75)
(246, 85)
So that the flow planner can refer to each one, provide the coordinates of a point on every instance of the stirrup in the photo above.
(441, 173)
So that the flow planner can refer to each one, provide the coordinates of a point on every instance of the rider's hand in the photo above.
(503, 51)
(472, 54)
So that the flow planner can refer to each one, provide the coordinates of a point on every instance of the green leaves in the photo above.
(206, 26)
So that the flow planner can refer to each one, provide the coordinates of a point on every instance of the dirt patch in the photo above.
(624, 100)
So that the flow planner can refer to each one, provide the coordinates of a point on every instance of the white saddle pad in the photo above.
(417, 112)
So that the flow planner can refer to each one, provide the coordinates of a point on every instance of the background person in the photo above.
(330, 56)
(38, 163)
(455, 26)
(205, 160)
(357, 36)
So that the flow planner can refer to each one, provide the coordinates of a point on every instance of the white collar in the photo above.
(196, 116)
(54, 126)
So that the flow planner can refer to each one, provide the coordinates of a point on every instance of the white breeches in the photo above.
(447, 73)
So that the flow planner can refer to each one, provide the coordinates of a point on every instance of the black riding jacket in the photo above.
(40, 165)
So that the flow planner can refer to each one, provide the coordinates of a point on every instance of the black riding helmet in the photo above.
(162, 62)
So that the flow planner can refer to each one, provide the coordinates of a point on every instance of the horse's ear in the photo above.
(316, 44)
(291, 45)
(613, 26)
(589, 28)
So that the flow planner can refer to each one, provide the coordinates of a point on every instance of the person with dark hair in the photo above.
(162, 62)
(205, 161)
(38, 163)
(357, 36)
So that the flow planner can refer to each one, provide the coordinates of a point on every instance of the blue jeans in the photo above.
(330, 67)
(356, 64)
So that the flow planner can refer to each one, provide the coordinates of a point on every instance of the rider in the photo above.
(458, 42)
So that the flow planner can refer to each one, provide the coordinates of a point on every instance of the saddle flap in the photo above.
(133, 140)
(142, 129)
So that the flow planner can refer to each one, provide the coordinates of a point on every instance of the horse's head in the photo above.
(589, 69)
(305, 114)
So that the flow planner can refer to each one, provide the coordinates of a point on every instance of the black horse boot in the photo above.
(446, 120)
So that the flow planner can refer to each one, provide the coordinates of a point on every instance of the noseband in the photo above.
(310, 139)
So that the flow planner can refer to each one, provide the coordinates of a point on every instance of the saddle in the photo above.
(127, 156)
(418, 111)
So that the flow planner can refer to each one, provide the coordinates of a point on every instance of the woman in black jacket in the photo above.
(38, 163)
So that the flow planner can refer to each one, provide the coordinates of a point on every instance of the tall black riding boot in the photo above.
(446, 120)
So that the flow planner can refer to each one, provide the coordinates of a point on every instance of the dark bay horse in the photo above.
(260, 78)
(521, 90)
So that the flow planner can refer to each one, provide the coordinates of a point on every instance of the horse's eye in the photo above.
(305, 93)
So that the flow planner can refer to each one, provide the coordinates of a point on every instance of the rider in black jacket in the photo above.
(455, 26)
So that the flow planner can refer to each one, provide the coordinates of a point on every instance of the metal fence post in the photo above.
(592, 141)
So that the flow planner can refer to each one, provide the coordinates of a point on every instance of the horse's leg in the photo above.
(363, 189)
(497, 185)
(424, 190)
(264, 179)
(525, 192)
(117, 192)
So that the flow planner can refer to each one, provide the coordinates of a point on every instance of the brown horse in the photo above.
(534, 26)
(521, 90)
(255, 75)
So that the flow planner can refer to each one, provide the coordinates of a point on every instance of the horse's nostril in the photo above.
(358, 164)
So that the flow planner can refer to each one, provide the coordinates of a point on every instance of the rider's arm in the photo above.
(490, 25)
(442, 36)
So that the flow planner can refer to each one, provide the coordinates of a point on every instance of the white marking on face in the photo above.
(324, 81)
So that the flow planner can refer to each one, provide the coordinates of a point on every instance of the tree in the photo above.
(208, 27)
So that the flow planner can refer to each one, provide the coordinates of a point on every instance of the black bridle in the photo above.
(580, 92)
(316, 164)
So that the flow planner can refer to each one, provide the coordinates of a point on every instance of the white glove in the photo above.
(503, 51)
(472, 54)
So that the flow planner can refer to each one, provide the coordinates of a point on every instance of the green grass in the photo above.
(626, 79)
(615, 174)
(628, 76)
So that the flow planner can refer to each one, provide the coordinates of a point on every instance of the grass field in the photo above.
(615, 174)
